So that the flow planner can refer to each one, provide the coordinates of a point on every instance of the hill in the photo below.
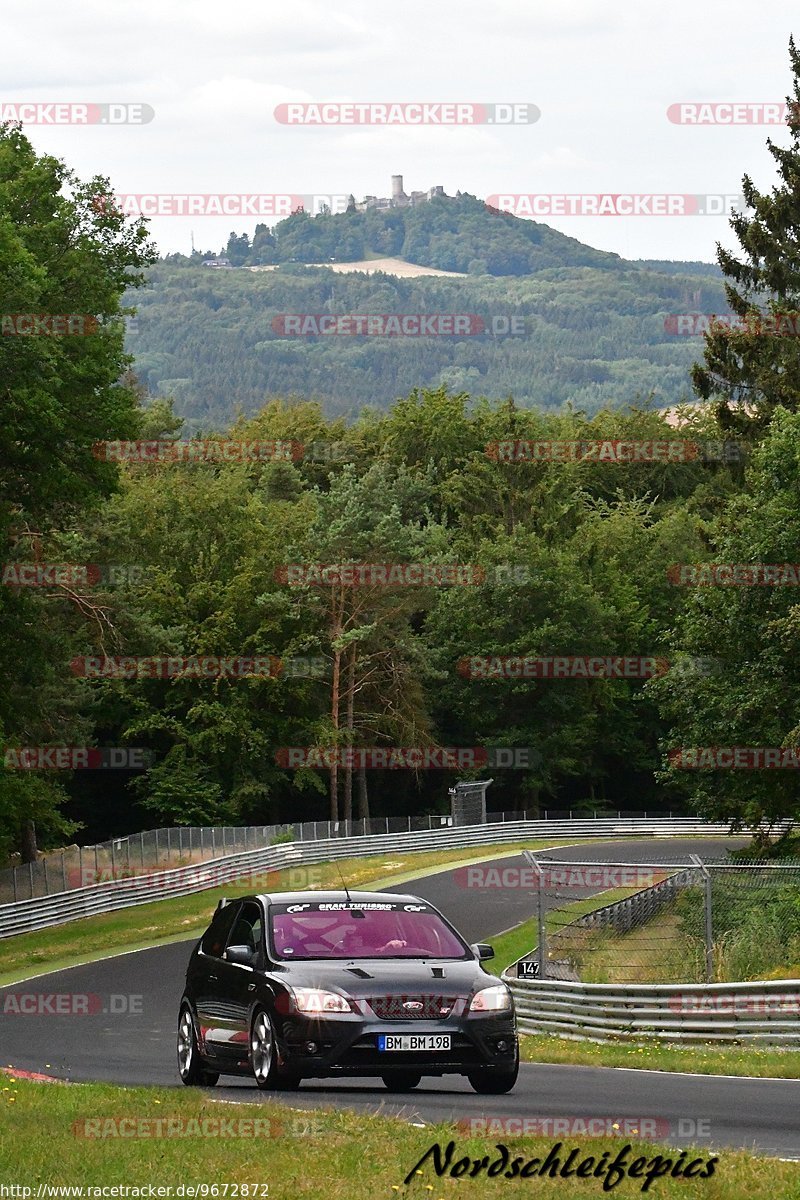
(552, 323)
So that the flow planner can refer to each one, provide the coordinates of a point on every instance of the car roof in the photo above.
(326, 897)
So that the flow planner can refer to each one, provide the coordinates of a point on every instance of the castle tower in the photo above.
(397, 188)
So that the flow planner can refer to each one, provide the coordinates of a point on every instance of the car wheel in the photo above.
(190, 1065)
(264, 1052)
(494, 1083)
(402, 1081)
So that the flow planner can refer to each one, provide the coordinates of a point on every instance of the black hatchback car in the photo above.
(300, 985)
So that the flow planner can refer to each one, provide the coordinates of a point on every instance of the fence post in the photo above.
(63, 871)
(541, 949)
(709, 926)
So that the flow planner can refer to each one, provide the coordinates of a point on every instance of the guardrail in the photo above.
(43, 911)
(621, 915)
(182, 845)
(750, 1013)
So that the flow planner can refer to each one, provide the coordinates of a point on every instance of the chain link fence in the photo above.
(696, 921)
(183, 846)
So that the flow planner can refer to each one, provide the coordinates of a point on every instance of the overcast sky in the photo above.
(603, 76)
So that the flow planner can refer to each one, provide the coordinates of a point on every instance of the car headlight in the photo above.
(496, 998)
(317, 1001)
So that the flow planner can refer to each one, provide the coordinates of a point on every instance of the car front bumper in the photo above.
(317, 1047)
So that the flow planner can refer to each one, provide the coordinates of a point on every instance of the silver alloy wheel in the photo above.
(185, 1043)
(262, 1047)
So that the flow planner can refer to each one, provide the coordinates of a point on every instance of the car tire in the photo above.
(190, 1065)
(494, 1083)
(401, 1081)
(264, 1055)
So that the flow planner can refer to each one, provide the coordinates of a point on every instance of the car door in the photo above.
(211, 985)
(239, 980)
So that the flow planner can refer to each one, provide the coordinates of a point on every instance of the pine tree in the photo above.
(752, 367)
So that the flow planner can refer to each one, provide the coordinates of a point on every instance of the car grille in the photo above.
(411, 1007)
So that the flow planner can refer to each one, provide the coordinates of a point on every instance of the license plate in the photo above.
(413, 1041)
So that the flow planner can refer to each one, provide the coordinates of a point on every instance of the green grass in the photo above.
(309, 1155)
(520, 940)
(177, 919)
(705, 1059)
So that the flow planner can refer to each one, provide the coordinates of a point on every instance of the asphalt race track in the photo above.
(112, 1043)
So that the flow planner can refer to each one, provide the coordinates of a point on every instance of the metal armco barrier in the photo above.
(43, 911)
(750, 1013)
(628, 914)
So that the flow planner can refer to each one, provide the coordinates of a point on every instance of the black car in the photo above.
(300, 985)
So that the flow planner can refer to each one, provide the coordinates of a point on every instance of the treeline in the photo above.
(568, 558)
(450, 233)
(589, 338)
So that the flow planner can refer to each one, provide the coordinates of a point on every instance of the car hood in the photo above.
(360, 976)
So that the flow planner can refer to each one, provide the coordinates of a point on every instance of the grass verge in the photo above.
(650, 1055)
(341, 1155)
(516, 942)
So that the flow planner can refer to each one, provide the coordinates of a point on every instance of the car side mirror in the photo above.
(243, 955)
(482, 951)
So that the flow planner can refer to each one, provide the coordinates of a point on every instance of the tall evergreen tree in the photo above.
(750, 370)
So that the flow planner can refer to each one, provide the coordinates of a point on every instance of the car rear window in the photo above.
(340, 930)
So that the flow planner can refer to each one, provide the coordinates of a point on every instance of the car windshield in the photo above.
(353, 930)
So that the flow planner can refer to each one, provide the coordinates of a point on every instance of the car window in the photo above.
(248, 928)
(369, 930)
(216, 936)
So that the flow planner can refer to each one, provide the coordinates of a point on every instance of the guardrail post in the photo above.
(709, 929)
(541, 949)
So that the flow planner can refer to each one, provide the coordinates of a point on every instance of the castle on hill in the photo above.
(398, 198)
